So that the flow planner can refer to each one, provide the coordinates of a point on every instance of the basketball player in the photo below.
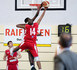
(30, 36)
(12, 60)
(31, 58)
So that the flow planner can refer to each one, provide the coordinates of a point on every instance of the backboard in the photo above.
(21, 5)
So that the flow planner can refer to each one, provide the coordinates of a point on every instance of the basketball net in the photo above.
(35, 5)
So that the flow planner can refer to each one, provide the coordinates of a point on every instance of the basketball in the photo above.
(45, 3)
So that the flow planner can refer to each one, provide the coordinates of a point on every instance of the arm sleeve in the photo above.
(58, 64)
(6, 52)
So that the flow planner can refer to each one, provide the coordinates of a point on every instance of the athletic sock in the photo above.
(32, 66)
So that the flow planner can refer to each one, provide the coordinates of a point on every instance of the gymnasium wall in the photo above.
(46, 53)
(8, 15)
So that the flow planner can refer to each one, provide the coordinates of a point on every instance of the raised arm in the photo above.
(21, 26)
(39, 20)
(37, 12)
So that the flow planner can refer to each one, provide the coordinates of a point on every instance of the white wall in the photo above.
(8, 15)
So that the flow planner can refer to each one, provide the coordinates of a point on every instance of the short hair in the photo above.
(8, 42)
(65, 40)
(26, 19)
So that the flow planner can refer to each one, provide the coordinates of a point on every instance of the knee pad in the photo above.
(36, 59)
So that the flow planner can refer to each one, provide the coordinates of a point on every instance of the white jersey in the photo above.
(58, 50)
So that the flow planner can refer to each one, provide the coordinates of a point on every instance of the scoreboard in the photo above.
(64, 28)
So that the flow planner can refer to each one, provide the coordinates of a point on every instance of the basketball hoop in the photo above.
(34, 6)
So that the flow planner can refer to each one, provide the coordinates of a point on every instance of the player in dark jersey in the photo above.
(31, 36)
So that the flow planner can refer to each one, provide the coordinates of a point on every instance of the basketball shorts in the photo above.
(12, 67)
(31, 46)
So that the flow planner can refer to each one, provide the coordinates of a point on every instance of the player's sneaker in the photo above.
(33, 68)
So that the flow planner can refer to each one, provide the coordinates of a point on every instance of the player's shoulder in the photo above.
(7, 51)
(27, 25)
(35, 23)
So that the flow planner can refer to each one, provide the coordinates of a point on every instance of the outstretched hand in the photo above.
(39, 7)
(45, 8)
(38, 10)
(42, 4)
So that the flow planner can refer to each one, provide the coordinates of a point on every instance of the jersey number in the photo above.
(32, 31)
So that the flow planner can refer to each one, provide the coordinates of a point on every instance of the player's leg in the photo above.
(38, 62)
(34, 52)
(16, 49)
(37, 58)
(31, 60)
(21, 46)
(39, 65)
